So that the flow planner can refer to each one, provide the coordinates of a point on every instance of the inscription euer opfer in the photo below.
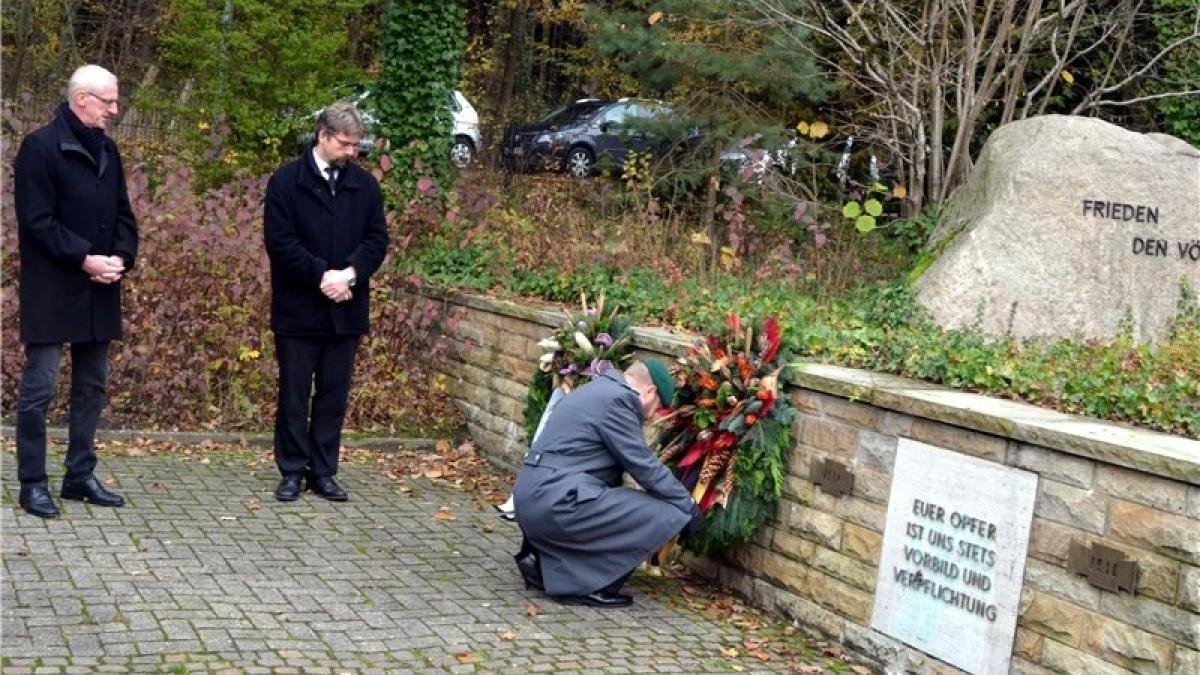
(958, 560)
(1154, 247)
(953, 558)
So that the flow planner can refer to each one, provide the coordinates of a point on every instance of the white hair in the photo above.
(89, 78)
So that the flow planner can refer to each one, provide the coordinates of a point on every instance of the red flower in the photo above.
(771, 328)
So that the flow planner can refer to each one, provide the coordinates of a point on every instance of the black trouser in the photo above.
(89, 376)
(314, 387)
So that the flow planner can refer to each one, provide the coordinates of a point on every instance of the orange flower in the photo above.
(751, 419)
(707, 381)
(707, 403)
(744, 368)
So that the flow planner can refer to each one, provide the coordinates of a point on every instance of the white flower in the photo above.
(584, 343)
(550, 343)
(545, 363)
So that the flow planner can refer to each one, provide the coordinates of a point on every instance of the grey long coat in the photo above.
(588, 529)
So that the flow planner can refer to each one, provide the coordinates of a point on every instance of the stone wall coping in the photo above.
(1141, 449)
(1156, 453)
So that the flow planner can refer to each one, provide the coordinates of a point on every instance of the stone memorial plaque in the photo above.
(954, 556)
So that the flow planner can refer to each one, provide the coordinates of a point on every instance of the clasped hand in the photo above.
(104, 269)
(335, 284)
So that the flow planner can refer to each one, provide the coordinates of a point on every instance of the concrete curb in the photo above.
(380, 443)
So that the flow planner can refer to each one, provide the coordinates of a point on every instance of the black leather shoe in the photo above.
(597, 599)
(289, 489)
(36, 500)
(90, 490)
(530, 570)
(328, 488)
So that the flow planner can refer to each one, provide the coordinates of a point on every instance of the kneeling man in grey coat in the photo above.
(584, 532)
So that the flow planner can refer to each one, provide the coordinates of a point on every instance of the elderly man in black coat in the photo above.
(325, 236)
(584, 532)
(77, 240)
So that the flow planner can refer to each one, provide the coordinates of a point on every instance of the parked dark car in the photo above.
(579, 136)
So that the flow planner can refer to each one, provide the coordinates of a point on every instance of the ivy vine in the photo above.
(423, 43)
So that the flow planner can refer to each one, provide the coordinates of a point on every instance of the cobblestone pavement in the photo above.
(204, 571)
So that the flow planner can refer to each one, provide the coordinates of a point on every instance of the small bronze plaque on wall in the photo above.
(1105, 567)
(832, 477)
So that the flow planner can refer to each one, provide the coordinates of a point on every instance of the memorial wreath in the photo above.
(728, 434)
(587, 345)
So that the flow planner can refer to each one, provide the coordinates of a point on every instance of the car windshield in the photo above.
(569, 113)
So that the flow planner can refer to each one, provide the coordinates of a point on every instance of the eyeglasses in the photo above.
(108, 102)
(344, 144)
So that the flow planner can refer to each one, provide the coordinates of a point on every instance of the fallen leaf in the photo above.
(433, 473)
(465, 657)
(655, 18)
(508, 635)
(729, 652)
(443, 514)
(810, 670)
(254, 505)
(833, 650)
(533, 609)
(790, 631)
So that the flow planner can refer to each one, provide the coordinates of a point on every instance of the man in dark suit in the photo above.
(78, 239)
(584, 531)
(325, 236)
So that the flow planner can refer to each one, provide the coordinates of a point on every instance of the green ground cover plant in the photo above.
(558, 249)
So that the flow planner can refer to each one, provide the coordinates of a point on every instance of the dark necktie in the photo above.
(332, 179)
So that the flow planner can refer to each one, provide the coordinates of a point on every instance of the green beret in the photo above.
(662, 380)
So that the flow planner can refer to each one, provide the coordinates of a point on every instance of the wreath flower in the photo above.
(587, 345)
(728, 434)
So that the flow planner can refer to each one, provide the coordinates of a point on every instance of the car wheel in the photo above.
(462, 152)
(579, 162)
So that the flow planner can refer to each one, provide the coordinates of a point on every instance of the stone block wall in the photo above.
(817, 560)
(493, 355)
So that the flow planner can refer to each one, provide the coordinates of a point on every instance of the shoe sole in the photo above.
(286, 498)
(85, 499)
(336, 498)
(40, 515)
(580, 602)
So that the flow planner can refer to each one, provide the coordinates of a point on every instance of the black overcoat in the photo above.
(69, 205)
(309, 231)
(589, 529)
